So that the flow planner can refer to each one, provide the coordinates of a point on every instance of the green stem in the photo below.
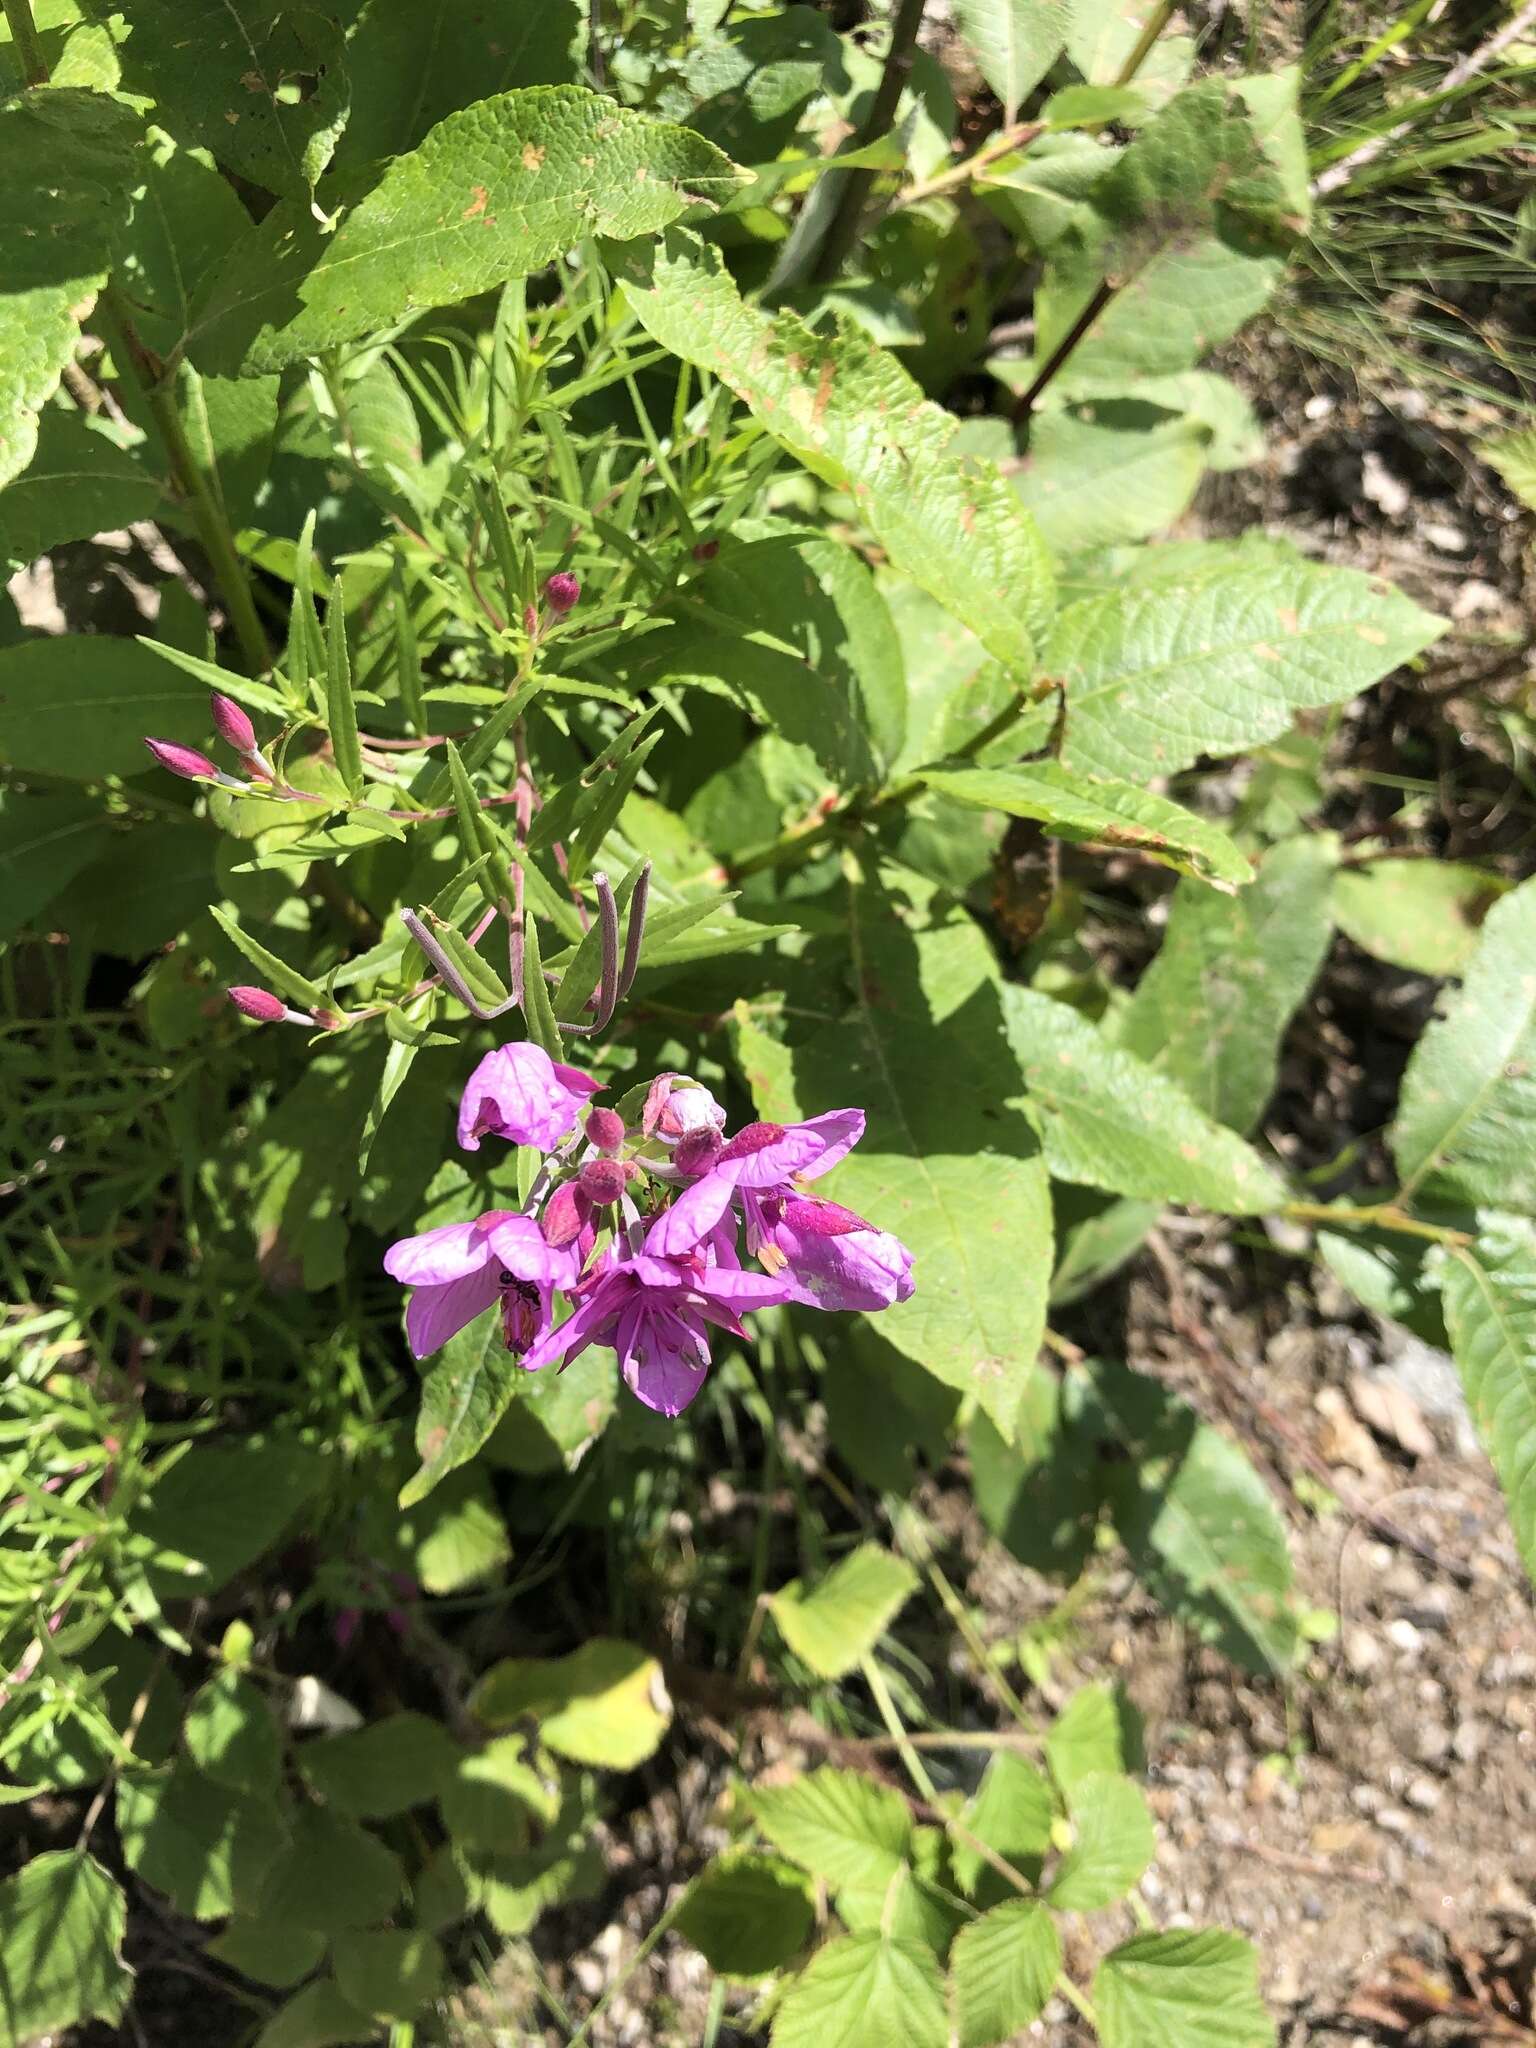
(213, 526)
(1157, 21)
(29, 50)
(1374, 1216)
(843, 228)
(583, 2032)
(880, 1692)
(1073, 1996)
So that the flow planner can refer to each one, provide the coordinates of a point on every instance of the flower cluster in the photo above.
(638, 1221)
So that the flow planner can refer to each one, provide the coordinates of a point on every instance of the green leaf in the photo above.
(864, 1991)
(44, 843)
(223, 1505)
(268, 1951)
(316, 2017)
(842, 1618)
(605, 1703)
(1113, 469)
(185, 217)
(557, 1415)
(494, 191)
(1159, 673)
(463, 1397)
(458, 1537)
(62, 1921)
(1096, 1731)
(1212, 1009)
(1190, 1988)
(496, 1794)
(231, 1736)
(1189, 226)
(747, 1913)
(332, 1876)
(207, 1848)
(284, 979)
(1011, 1813)
(1015, 42)
(1390, 1274)
(1199, 1523)
(412, 66)
(1106, 1118)
(842, 1828)
(1514, 457)
(79, 705)
(1466, 1121)
(1036, 194)
(921, 1051)
(1074, 806)
(1424, 915)
(340, 706)
(1041, 1491)
(386, 1768)
(1003, 1968)
(79, 483)
(1112, 1844)
(1489, 1292)
(388, 1972)
(66, 179)
(225, 83)
(853, 416)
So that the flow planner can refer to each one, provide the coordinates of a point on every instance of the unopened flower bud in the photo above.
(184, 761)
(231, 723)
(706, 550)
(259, 1003)
(530, 622)
(605, 1129)
(697, 1152)
(561, 592)
(602, 1181)
(564, 1214)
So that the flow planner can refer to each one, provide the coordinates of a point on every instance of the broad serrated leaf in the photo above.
(385, 1768)
(1489, 1293)
(1466, 1121)
(1073, 806)
(185, 217)
(317, 2017)
(270, 1951)
(62, 1921)
(748, 1914)
(604, 1704)
(853, 416)
(1212, 1009)
(1194, 1987)
(79, 704)
(1199, 1523)
(1514, 457)
(1216, 656)
(845, 1614)
(1041, 1492)
(922, 1053)
(1098, 1730)
(66, 183)
(207, 1848)
(231, 1736)
(389, 1972)
(1106, 1118)
(1002, 1969)
(1011, 1814)
(78, 483)
(463, 1398)
(1015, 42)
(1116, 469)
(1112, 1844)
(228, 80)
(1424, 915)
(221, 1505)
(45, 841)
(841, 1827)
(333, 1875)
(864, 1991)
(494, 191)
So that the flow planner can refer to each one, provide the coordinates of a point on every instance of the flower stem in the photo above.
(29, 50)
(843, 228)
(1373, 1216)
(1157, 21)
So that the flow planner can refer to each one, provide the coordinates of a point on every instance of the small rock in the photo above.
(1362, 1651)
(1263, 1783)
(1423, 1793)
(1366, 1799)
(1431, 1609)
(1441, 534)
(1403, 1636)
(1314, 1908)
(1387, 492)
(1392, 1413)
(1474, 596)
(1432, 1745)
(1467, 1742)
(1393, 1820)
(1318, 406)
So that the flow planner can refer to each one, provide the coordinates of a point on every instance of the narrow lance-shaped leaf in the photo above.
(537, 1008)
(854, 417)
(496, 190)
(340, 705)
(285, 979)
(1489, 1292)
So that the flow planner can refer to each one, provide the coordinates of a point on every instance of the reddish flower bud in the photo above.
(605, 1129)
(184, 761)
(706, 550)
(697, 1152)
(258, 1003)
(565, 1213)
(602, 1181)
(561, 592)
(752, 1138)
(530, 621)
(231, 723)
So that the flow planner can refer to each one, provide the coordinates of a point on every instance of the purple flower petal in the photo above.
(517, 1092)
(523, 1251)
(665, 1359)
(434, 1314)
(861, 1269)
(577, 1332)
(450, 1252)
(773, 1153)
(679, 1228)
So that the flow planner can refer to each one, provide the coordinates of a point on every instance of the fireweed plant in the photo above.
(559, 1115)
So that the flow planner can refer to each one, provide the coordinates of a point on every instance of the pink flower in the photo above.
(231, 723)
(832, 1258)
(186, 762)
(562, 592)
(760, 1157)
(258, 1003)
(460, 1270)
(519, 1092)
(653, 1311)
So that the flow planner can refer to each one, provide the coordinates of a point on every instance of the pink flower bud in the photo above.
(565, 1213)
(605, 1129)
(231, 723)
(258, 1003)
(184, 761)
(561, 592)
(530, 621)
(706, 550)
(697, 1152)
(602, 1181)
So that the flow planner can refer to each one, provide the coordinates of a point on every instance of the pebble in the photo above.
(1402, 1635)
(1393, 1821)
(1313, 1907)
(1467, 1742)
(1432, 1745)
(1362, 1652)
(1516, 1667)
(1366, 1799)
(1423, 1793)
